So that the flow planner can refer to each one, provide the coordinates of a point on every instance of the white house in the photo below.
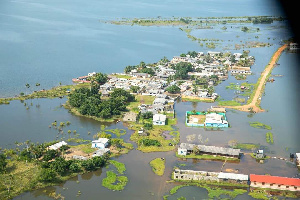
(182, 151)
(159, 119)
(101, 143)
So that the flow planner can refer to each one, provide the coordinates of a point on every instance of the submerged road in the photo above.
(254, 104)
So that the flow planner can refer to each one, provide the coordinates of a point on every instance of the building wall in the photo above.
(274, 186)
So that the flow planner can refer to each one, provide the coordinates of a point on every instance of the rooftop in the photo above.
(275, 179)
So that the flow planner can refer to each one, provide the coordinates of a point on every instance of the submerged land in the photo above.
(143, 98)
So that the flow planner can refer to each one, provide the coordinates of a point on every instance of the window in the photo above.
(263, 183)
(271, 184)
(287, 186)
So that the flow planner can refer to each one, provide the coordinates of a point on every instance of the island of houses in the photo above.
(195, 82)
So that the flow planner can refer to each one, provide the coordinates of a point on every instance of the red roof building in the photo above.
(275, 182)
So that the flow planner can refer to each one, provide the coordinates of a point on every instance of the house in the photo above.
(159, 119)
(182, 151)
(215, 120)
(233, 178)
(100, 152)
(101, 143)
(275, 182)
(191, 175)
(92, 74)
(57, 145)
(298, 159)
(260, 154)
(142, 132)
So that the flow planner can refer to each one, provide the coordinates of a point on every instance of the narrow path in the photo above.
(254, 104)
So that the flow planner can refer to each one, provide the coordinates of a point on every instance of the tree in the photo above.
(3, 162)
(195, 89)
(100, 78)
(134, 89)
(60, 165)
(173, 89)
(193, 54)
(37, 85)
(210, 90)
(47, 175)
(74, 167)
(27, 86)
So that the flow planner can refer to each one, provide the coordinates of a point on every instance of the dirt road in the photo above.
(254, 104)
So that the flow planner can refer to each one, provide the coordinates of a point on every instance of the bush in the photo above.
(150, 142)
(47, 175)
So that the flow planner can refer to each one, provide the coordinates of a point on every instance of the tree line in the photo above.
(89, 102)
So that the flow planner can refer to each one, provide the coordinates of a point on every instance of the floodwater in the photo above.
(55, 41)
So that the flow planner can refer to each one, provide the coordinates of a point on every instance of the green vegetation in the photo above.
(269, 138)
(158, 166)
(260, 125)
(174, 89)
(214, 191)
(228, 103)
(149, 142)
(247, 146)
(54, 92)
(114, 182)
(182, 70)
(88, 102)
(35, 167)
(120, 166)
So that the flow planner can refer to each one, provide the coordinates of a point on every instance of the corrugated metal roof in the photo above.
(233, 176)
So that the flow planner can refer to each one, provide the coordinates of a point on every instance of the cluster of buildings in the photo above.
(253, 180)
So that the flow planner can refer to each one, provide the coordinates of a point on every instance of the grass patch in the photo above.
(247, 146)
(158, 166)
(114, 182)
(228, 103)
(269, 138)
(120, 166)
(86, 148)
(260, 125)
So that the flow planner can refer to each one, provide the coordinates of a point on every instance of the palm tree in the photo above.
(37, 85)
(27, 86)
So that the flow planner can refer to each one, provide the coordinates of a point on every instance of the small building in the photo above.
(130, 117)
(142, 132)
(101, 152)
(298, 159)
(182, 151)
(76, 157)
(101, 143)
(159, 119)
(233, 178)
(57, 145)
(275, 182)
(191, 175)
(211, 150)
(260, 154)
(215, 120)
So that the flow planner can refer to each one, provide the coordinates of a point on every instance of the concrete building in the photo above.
(101, 143)
(275, 182)
(159, 119)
